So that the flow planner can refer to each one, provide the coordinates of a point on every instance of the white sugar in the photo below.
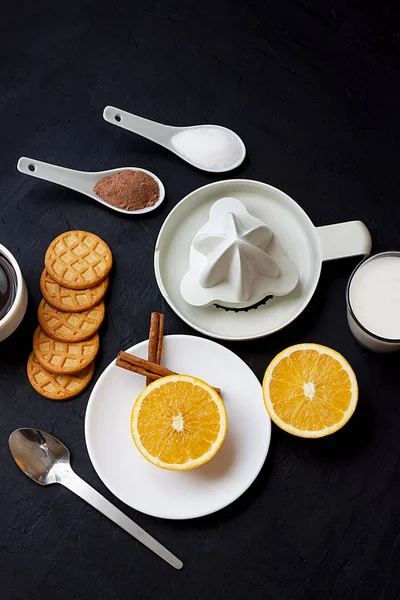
(209, 148)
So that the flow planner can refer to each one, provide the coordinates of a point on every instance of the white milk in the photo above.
(374, 298)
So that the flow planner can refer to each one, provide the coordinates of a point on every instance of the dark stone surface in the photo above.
(313, 89)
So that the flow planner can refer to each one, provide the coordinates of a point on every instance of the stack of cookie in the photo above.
(72, 309)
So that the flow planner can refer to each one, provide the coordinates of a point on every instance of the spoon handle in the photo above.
(86, 492)
(156, 132)
(70, 178)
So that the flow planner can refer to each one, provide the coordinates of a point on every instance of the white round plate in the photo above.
(172, 494)
(293, 229)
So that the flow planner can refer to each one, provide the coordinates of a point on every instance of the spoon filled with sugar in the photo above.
(127, 190)
(212, 148)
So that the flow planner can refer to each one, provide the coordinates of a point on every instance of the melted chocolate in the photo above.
(8, 286)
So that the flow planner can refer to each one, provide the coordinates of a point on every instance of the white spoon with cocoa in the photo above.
(127, 190)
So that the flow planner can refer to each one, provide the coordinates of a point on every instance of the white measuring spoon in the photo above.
(83, 181)
(162, 134)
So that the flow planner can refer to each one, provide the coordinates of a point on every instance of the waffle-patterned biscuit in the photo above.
(57, 387)
(70, 300)
(78, 259)
(64, 357)
(67, 326)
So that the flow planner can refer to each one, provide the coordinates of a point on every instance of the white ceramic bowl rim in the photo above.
(14, 307)
(348, 303)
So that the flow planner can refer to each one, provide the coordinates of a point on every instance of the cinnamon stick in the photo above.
(156, 336)
(148, 369)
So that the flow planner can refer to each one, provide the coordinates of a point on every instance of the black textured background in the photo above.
(313, 89)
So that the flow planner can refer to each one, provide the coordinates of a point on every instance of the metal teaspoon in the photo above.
(46, 460)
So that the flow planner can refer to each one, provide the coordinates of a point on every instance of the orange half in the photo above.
(310, 390)
(178, 422)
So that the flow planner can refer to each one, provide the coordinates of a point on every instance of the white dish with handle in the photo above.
(306, 245)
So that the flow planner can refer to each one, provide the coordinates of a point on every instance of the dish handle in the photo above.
(343, 240)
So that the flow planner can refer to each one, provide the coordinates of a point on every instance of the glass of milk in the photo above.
(373, 302)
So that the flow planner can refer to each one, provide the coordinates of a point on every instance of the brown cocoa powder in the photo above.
(131, 190)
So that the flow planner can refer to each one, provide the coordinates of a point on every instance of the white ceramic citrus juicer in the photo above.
(306, 245)
(236, 261)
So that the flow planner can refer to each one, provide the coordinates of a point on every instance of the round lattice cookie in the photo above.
(67, 326)
(64, 298)
(78, 259)
(64, 357)
(57, 387)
